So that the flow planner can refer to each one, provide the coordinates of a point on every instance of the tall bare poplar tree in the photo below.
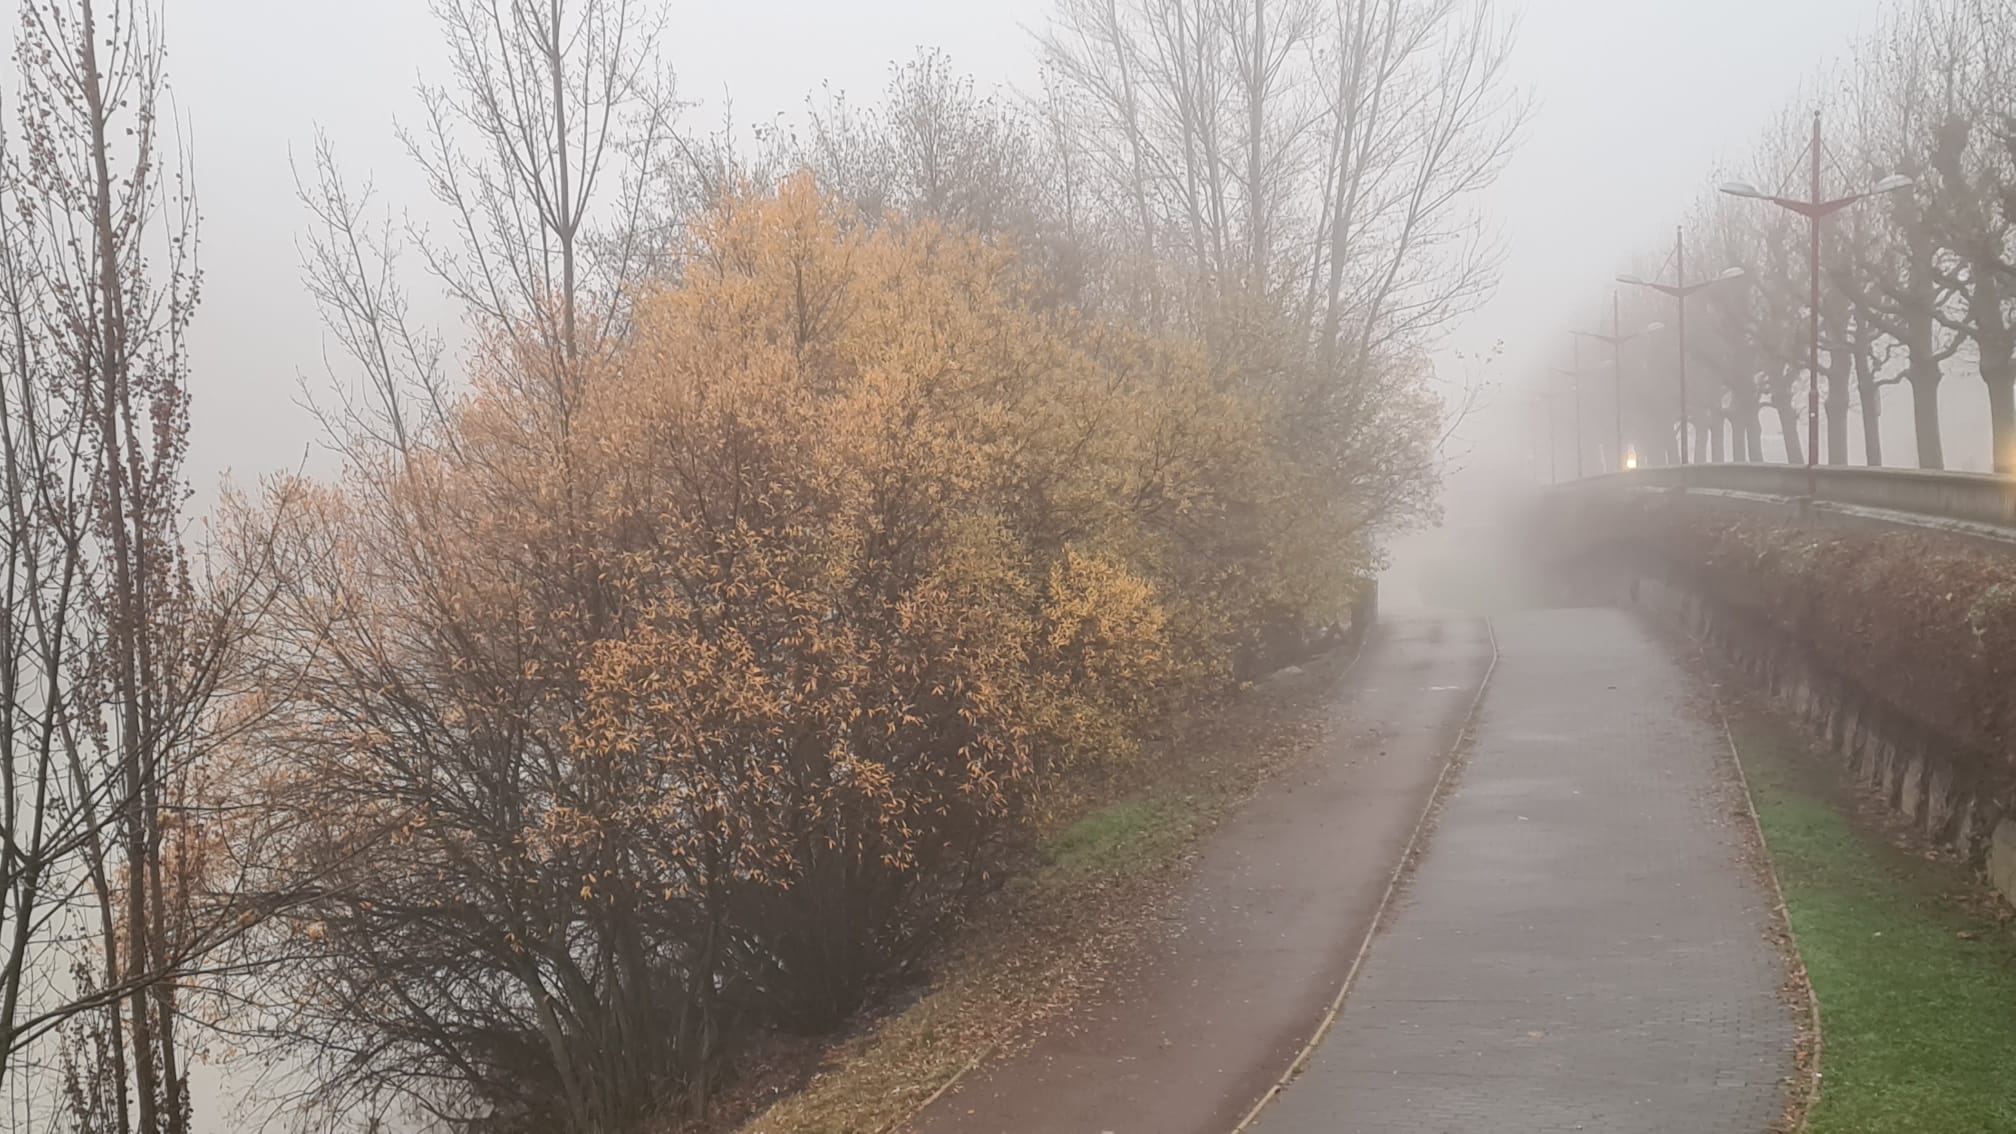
(104, 671)
(107, 224)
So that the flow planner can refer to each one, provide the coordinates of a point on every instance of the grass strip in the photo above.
(1911, 958)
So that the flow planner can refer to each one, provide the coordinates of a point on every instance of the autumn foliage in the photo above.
(798, 527)
(693, 696)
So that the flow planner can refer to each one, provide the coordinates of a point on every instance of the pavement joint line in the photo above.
(1407, 856)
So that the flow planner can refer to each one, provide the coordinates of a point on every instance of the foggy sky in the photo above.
(1637, 102)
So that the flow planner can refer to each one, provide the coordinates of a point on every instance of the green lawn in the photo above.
(1914, 969)
(1123, 836)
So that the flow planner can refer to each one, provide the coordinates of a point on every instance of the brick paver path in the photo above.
(1583, 946)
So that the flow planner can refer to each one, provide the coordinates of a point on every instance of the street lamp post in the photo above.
(1680, 289)
(1617, 338)
(1815, 209)
(1575, 376)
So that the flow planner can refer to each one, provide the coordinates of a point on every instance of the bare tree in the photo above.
(553, 152)
(1422, 118)
(1896, 284)
(1854, 341)
(57, 806)
(933, 149)
(1321, 156)
(117, 647)
(540, 151)
(1914, 278)
(96, 200)
(351, 264)
(1753, 335)
(1292, 180)
(1971, 49)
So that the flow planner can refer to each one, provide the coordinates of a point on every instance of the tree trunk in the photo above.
(1998, 373)
(1256, 131)
(1835, 396)
(1872, 426)
(1996, 346)
(1924, 379)
(1872, 410)
(1715, 440)
(126, 520)
(1747, 434)
(1788, 425)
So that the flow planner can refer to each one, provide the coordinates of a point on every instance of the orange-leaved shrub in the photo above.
(626, 717)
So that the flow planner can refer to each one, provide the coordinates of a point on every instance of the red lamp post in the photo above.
(1815, 208)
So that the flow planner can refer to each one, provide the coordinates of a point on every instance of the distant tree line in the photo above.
(669, 666)
(1916, 284)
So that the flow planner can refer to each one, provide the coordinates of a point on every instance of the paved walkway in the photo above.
(1255, 949)
(1582, 946)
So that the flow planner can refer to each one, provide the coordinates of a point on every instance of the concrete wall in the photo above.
(2002, 858)
(1972, 497)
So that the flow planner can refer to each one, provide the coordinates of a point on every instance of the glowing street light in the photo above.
(1815, 208)
(1680, 290)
